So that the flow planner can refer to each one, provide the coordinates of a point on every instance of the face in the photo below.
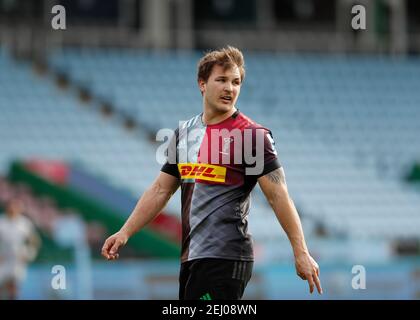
(222, 88)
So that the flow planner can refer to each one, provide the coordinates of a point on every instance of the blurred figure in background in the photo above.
(19, 244)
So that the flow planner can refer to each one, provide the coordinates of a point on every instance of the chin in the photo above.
(224, 107)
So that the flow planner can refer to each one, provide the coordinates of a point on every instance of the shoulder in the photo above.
(183, 125)
(192, 122)
(246, 123)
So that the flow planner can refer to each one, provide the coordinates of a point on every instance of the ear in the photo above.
(202, 85)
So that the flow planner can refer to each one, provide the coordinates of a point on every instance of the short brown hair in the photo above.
(226, 57)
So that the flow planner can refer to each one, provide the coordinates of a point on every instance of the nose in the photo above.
(228, 87)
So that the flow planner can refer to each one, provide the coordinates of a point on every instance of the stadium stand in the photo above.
(345, 182)
(40, 121)
(334, 120)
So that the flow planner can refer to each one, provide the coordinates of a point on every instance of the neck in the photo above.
(212, 117)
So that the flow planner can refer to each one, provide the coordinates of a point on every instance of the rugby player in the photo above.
(217, 157)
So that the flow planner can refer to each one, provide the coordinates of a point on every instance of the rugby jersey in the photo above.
(218, 166)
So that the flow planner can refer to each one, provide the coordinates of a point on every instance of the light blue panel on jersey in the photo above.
(191, 135)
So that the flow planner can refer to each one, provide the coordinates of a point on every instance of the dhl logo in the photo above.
(202, 171)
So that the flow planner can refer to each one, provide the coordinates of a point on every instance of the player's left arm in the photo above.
(274, 187)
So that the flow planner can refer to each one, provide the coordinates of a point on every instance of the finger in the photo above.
(301, 275)
(311, 284)
(105, 249)
(108, 243)
(115, 256)
(115, 247)
(112, 255)
(316, 268)
(318, 284)
(103, 252)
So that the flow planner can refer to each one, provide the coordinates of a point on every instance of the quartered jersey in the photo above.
(218, 166)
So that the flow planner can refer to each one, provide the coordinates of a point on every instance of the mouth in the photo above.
(226, 99)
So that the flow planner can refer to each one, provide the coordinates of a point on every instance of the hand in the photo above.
(112, 244)
(308, 269)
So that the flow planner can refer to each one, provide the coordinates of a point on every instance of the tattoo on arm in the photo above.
(277, 176)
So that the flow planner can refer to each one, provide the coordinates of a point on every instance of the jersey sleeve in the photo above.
(271, 160)
(264, 150)
(171, 164)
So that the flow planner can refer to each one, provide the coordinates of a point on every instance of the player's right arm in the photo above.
(147, 208)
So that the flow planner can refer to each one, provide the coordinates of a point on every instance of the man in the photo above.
(216, 179)
(19, 244)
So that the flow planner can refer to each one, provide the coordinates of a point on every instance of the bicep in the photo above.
(273, 183)
(275, 177)
(167, 183)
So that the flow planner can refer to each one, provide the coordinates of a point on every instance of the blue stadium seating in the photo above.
(346, 128)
